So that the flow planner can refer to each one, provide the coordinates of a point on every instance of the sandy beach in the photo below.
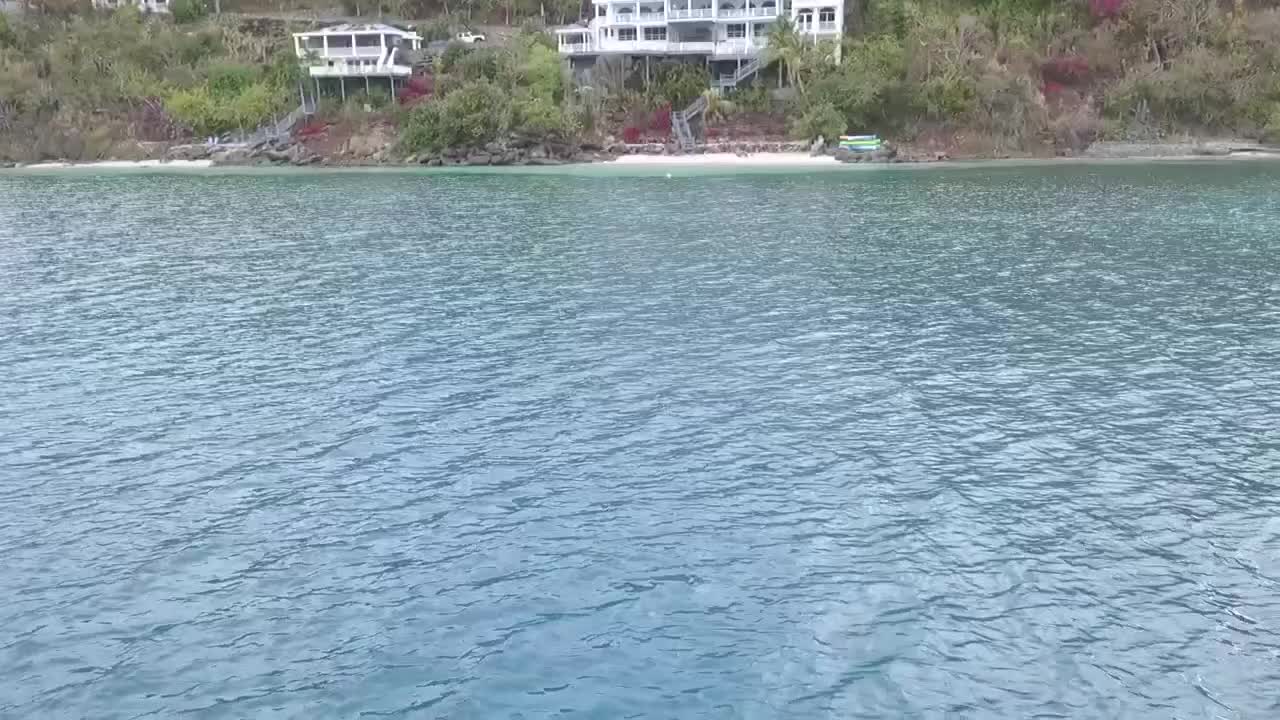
(727, 160)
(125, 165)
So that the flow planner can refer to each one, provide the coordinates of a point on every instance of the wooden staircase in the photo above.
(680, 122)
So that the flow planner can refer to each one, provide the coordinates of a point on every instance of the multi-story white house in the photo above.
(351, 51)
(729, 34)
(146, 6)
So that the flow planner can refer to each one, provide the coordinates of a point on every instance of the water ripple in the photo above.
(998, 442)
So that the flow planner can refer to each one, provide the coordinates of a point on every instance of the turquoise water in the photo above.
(989, 442)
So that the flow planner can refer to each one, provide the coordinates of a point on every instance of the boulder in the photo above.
(189, 152)
(276, 156)
(545, 161)
(479, 158)
(232, 156)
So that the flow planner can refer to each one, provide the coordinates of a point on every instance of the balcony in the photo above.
(359, 70)
(343, 52)
(827, 26)
(728, 49)
(749, 12)
(693, 14)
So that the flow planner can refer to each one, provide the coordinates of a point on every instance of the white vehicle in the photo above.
(470, 38)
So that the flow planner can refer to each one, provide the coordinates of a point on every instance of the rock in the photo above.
(189, 152)
(277, 156)
(818, 147)
(367, 145)
(494, 148)
(6, 165)
(411, 160)
(232, 156)
(545, 161)
(433, 162)
(538, 152)
(479, 158)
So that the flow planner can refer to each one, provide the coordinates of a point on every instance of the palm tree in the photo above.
(787, 47)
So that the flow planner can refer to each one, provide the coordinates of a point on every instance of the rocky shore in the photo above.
(378, 150)
(515, 151)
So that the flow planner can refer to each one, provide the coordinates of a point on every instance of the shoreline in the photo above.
(707, 161)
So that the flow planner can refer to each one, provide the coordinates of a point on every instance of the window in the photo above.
(759, 30)
(737, 30)
(827, 15)
(627, 34)
(658, 33)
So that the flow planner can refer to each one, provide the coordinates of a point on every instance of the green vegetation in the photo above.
(91, 86)
(976, 76)
(1022, 74)
(485, 94)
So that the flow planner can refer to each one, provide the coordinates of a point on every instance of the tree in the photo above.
(787, 46)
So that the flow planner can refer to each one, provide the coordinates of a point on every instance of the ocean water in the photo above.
(988, 442)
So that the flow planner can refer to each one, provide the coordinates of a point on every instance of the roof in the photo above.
(358, 28)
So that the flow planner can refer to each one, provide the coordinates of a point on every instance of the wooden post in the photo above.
(342, 87)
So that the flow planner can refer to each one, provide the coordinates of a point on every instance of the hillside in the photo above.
(968, 78)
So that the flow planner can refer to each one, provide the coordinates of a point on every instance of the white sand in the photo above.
(124, 165)
(793, 159)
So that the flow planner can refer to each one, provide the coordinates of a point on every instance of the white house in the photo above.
(157, 6)
(729, 34)
(357, 51)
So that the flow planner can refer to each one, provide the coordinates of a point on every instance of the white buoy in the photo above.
(668, 176)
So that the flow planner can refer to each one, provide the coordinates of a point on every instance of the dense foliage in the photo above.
(90, 86)
(484, 94)
(992, 75)
(1023, 73)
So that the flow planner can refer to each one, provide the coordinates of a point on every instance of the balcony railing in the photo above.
(827, 26)
(749, 12)
(346, 51)
(737, 47)
(691, 14)
(652, 17)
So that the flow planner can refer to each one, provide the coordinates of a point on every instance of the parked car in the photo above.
(470, 38)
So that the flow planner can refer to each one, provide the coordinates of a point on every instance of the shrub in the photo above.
(226, 80)
(680, 84)
(473, 114)
(542, 74)
(188, 11)
(819, 120)
(1202, 89)
(753, 99)
(542, 117)
(453, 53)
